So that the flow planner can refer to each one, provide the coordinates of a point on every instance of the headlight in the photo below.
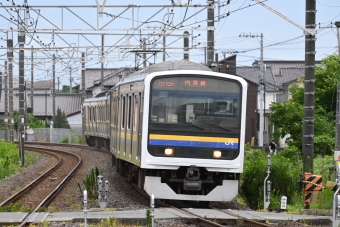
(169, 151)
(217, 153)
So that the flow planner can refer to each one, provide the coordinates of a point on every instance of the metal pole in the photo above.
(308, 121)
(21, 40)
(210, 33)
(6, 103)
(265, 203)
(261, 95)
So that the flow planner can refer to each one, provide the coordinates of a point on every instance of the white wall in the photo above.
(75, 121)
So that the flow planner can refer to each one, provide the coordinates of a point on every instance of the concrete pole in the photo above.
(308, 120)
(83, 94)
(70, 80)
(32, 81)
(186, 45)
(21, 40)
(53, 90)
(144, 54)
(10, 85)
(6, 104)
(261, 96)
(102, 67)
(210, 33)
(337, 24)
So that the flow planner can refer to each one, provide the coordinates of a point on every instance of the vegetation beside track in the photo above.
(9, 160)
(284, 176)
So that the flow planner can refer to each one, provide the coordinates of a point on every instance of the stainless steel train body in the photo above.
(96, 112)
(168, 135)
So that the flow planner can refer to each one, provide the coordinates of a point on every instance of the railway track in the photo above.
(41, 191)
(199, 220)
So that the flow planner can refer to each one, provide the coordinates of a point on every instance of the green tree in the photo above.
(60, 120)
(287, 117)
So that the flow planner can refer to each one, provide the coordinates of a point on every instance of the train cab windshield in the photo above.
(197, 104)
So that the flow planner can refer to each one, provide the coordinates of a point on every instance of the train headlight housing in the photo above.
(217, 154)
(169, 151)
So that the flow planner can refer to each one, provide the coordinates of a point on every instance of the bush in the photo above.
(284, 175)
(77, 139)
(255, 166)
(64, 140)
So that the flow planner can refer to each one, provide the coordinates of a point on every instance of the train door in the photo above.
(107, 118)
(128, 134)
(122, 129)
(140, 126)
(113, 126)
(135, 128)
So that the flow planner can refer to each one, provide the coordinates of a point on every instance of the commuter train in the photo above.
(167, 134)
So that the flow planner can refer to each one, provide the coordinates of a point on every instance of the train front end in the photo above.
(193, 135)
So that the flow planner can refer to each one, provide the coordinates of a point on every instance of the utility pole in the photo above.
(186, 45)
(144, 54)
(83, 94)
(6, 103)
(210, 33)
(261, 88)
(308, 121)
(58, 84)
(10, 93)
(53, 90)
(21, 40)
(102, 66)
(337, 24)
(261, 95)
(32, 83)
(70, 80)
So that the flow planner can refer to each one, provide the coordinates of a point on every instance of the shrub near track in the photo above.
(285, 171)
(9, 159)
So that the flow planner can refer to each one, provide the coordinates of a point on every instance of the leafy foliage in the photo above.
(90, 184)
(60, 120)
(253, 177)
(287, 117)
(9, 159)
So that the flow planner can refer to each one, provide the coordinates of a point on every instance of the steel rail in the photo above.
(14, 197)
(51, 196)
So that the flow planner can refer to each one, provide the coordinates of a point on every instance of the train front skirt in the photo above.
(225, 192)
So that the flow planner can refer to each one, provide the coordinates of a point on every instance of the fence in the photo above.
(55, 135)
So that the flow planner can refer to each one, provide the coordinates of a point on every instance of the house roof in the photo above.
(285, 71)
(253, 74)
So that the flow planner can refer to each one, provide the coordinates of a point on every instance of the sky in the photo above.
(282, 40)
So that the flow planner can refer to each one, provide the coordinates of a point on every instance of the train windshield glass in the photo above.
(200, 103)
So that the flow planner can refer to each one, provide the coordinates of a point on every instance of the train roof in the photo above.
(172, 65)
(164, 66)
(97, 98)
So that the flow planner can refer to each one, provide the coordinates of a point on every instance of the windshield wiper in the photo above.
(228, 129)
(192, 124)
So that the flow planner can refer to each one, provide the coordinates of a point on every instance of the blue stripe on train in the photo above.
(182, 143)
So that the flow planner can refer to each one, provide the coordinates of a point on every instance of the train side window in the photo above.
(129, 112)
(90, 111)
(135, 115)
(123, 113)
(94, 113)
